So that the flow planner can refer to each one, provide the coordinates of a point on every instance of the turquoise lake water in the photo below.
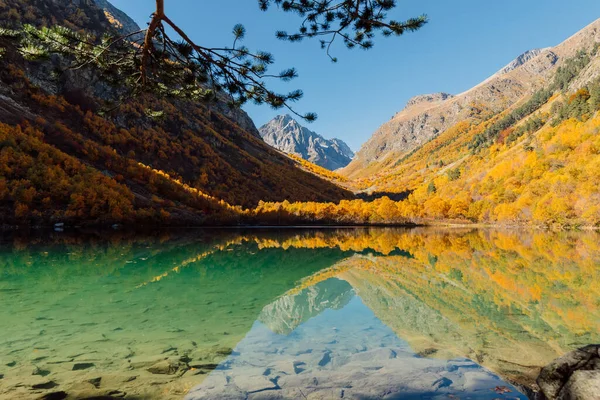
(292, 314)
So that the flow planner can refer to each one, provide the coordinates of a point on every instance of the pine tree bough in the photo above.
(155, 62)
(355, 21)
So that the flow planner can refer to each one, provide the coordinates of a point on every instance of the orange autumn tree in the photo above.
(546, 177)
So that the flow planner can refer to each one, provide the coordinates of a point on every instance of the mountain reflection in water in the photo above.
(352, 313)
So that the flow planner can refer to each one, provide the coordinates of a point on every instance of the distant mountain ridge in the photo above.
(520, 148)
(522, 59)
(427, 116)
(286, 134)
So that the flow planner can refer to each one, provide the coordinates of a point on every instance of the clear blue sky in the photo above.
(465, 42)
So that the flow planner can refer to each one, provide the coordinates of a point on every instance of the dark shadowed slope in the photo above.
(169, 160)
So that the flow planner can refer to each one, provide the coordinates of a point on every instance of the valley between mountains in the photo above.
(520, 148)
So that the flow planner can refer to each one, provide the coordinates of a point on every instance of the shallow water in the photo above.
(352, 313)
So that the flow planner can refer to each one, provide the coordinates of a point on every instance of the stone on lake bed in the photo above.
(95, 381)
(185, 358)
(86, 390)
(60, 361)
(44, 385)
(224, 351)
(82, 366)
(99, 384)
(285, 367)
(212, 355)
(374, 355)
(165, 367)
(207, 366)
(572, 375)
(145, 361)
(168, 349)
(299, 366)
(251, 384)
(39, 371)
(442, 382)
(55, 396)
(83, 387)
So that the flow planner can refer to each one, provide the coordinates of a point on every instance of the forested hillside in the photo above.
(425, 117)
(522, 147)
(70, 155)
(535, 162)
(541, 171)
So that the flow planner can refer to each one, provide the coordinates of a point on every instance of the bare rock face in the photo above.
(125, 26)
(428, 98)
(574, 376)
(119, 20)
(521, 60)
(286, 134)
(236, 115)
(426, 116)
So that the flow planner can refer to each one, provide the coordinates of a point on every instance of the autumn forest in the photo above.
(72, 154)
(179, 221)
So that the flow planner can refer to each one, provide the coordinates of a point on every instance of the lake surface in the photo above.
(293, 314)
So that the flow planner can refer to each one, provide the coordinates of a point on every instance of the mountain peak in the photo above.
(285, 119)
(521, 59)
(426, 116)
(428, 98)
(285, 134)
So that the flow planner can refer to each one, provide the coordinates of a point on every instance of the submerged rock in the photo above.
(95, 382)
(55, 396)
(167, 367)
(223, 351)
(38, 371)
(576, 375)
(44, 385)
(138, 362)
(442, 382)
(82, 366)
(254, 384)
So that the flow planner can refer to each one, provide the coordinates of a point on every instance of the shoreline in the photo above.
(431, 224)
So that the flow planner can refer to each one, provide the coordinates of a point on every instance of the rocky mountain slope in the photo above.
(148, 159)
(118, 19)
(535, 161)
(286, 134)
(426, 117)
